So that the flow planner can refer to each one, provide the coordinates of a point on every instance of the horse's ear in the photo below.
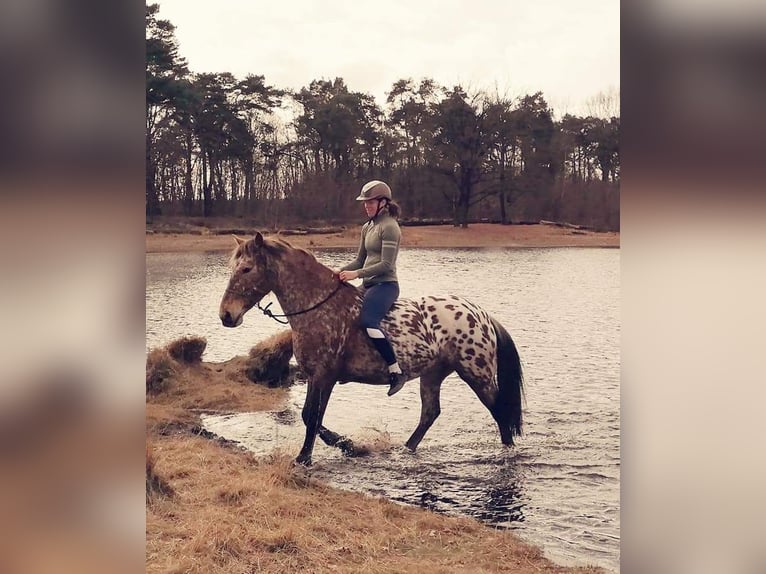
(239, 240)
(258, 239)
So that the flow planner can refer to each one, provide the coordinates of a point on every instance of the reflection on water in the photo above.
(559, 488)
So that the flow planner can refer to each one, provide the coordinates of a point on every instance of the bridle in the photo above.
(278, 317)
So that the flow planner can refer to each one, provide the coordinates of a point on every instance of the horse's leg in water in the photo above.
(487, 392)
(430, 388)
(331, 438)
(317, 395)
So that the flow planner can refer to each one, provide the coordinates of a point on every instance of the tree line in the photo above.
(217, 145)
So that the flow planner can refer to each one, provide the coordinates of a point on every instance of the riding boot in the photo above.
(396, 379)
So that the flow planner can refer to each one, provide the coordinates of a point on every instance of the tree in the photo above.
(460, 145)
(227, 116)
(503, 136)
(253, 101)
(605, 104)
(165, 71)
(214, 143)
(341, 129)
(410, 115)
(606, 147)
(371, 137)
(312, 125)
(534, 125)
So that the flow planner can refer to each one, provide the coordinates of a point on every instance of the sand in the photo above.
(477, 235)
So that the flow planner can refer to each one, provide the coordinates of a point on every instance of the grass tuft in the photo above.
(160, 368)
(156, 486)
(269, 360)
(187, 349)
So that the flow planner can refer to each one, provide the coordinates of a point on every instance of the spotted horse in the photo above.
(432, 337)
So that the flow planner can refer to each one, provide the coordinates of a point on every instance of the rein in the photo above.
(279, 316)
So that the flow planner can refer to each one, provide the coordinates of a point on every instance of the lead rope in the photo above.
(278, 316)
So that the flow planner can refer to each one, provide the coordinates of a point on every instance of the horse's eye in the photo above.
(247, 269)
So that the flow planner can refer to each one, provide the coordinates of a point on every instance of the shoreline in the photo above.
(481, 235)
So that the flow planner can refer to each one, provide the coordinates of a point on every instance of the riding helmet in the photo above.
(374, 189)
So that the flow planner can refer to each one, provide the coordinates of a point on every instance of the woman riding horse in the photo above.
(375, 263)
(431, 337)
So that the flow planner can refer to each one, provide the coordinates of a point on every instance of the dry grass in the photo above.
(213, 508)
(187, 349)
(156, 486)
(160, 368)
(181, 391)
(269, 360)
(235, 513)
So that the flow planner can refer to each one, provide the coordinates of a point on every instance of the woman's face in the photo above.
(371, 207)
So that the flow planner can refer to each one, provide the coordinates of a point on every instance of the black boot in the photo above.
(396, 380)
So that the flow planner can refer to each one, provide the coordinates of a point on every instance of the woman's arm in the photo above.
(360, 256)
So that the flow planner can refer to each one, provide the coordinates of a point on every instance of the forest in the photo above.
(222, 146)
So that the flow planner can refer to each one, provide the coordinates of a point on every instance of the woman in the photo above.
(375, 263)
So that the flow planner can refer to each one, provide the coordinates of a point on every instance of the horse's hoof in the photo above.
(303, 460)
(347, 447)
(357, 451)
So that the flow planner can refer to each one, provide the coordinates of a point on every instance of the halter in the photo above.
(278, 316)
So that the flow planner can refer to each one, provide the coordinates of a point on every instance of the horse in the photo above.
(432, 337)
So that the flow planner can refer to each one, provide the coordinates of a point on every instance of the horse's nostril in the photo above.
(226, 320)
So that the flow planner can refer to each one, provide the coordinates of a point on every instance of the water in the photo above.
(559, 489)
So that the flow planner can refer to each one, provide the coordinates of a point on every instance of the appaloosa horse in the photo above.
(432, 337)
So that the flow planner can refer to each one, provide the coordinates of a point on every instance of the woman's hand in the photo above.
(348, 275)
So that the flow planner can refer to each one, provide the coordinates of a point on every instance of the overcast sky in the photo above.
(568, 50)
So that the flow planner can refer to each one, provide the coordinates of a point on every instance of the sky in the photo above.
(568, 50)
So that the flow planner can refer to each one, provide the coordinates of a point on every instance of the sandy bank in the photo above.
(477, 235)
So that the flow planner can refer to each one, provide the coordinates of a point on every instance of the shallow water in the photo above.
(559, 488)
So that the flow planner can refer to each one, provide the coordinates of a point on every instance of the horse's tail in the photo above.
(510, 381)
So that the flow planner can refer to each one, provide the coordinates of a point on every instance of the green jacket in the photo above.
(378, 248)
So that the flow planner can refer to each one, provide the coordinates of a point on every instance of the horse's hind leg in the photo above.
(487, 392)
(430, 388)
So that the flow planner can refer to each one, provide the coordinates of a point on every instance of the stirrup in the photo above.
(396, 380)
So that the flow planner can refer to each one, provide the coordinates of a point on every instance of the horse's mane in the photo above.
(276, 246)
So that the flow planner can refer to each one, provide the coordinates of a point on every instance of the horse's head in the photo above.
(250, 280)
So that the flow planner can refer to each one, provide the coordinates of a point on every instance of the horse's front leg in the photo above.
(344, 443)
(317, 396)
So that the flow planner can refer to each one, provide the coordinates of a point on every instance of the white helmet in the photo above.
(374, 189)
